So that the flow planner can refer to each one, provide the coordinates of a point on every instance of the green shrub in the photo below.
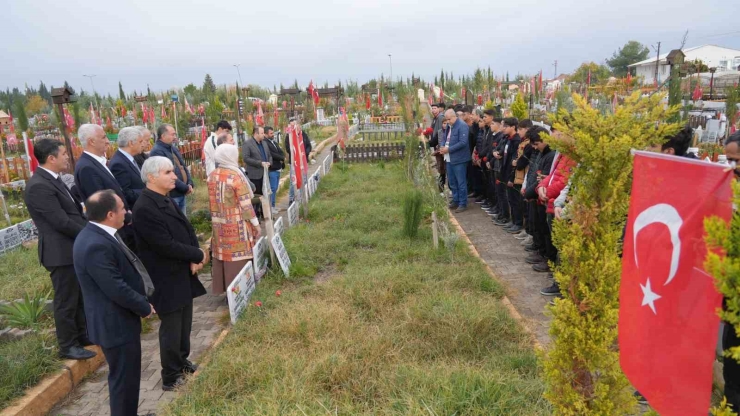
(23, 363)
(26, 313)
(412, 206)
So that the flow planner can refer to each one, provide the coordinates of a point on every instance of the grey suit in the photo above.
(253, 159)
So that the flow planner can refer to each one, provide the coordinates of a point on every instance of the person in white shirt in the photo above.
(209, 147)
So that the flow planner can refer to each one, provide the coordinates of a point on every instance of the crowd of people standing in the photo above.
(119, 247)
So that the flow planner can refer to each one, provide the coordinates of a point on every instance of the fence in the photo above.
(695, 121)
(17, 169)
(373, 152)
(382, 131)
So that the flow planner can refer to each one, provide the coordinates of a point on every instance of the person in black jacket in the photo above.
(169, 249)
(115, 287)
(278, 164)
(489, 205)
(438, 111)
(524, 154)
(59, 219)
(507, 154)
(123, 164)
(92, 173)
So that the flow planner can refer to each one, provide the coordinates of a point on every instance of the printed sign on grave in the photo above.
(260, 258)
(281, 253)
(239, 291)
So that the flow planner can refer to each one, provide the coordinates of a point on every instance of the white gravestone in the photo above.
(239, 291)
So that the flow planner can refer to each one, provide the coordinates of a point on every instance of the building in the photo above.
(724, 59)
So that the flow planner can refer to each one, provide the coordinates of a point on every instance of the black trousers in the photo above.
(731, 369)
(174, 342)
(258, 185)
(546, 249)
(503, 200)
(69, 311)
(536, 223)
(490, 183)
(531, 218)
(478, 183)
(551, 252)
(442, 170)
(515, 200)
(124, 378)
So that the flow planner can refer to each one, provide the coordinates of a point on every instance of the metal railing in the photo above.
(382, 127)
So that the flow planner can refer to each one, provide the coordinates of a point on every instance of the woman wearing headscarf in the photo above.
(235, 224)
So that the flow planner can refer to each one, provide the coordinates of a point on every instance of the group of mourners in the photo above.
(119, 247)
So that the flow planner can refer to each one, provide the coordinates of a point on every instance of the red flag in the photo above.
(33, 163)
(464, 94)
(698, 93)
(668, 319)
(295, 155)
(260, 114)
(380, 98)
(629, 79)
(164, 113)
(144, 114)
(540, 80)
(367, 102)
(152, 116)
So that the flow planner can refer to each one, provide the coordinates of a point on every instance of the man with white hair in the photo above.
(124, 166)
(92, 173)
(145, 139)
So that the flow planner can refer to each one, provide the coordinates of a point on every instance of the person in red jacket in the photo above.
(548, 189)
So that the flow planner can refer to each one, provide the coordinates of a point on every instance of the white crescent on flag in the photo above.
(663, 214)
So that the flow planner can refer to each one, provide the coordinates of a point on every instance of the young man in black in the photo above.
(507, 156)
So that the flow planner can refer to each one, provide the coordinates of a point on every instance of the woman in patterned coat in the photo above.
(235, 225)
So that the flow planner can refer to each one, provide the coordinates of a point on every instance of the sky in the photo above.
(171, 44)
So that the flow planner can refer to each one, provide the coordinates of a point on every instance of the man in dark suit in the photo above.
(124, 167)
(59, 219)
(170, 251)
(115, 286)
(256, 155)
(92, 173)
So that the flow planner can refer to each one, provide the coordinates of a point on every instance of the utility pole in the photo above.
(391, 62)
(95, 95)
(556, 69)
(657, 65)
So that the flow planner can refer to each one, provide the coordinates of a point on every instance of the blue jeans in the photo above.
(180, 202)
(458, 181)
(274, 182)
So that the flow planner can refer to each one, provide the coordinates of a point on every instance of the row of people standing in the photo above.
(128, 251)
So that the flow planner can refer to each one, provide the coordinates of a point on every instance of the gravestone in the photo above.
(260, 258)
(293, 214)
(239, 291)
(282, 254)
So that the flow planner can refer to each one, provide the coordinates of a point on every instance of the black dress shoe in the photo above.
(171, 387)
(534, 258)
(85, 342)
(77, 353)
(452, 206)
(541, 267)
(189, 368)
(531, 248)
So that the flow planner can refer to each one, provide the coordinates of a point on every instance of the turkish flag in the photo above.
(296, 156)
(33, 163)
(668, 319)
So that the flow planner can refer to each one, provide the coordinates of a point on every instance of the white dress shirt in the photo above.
(110, 230)
(102, 160)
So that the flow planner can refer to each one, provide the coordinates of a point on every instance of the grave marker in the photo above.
(282, 254)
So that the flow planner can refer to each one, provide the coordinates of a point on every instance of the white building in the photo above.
(723, 59)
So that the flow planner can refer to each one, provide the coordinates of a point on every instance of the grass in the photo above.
(370, 322)
(24, 363)
(21, 273)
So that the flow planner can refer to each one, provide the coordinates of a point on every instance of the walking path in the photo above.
(209, 313)
(503, 253)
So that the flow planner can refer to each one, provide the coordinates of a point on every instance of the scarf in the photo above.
(227, 157)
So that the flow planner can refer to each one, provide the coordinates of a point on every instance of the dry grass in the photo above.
(397, 329)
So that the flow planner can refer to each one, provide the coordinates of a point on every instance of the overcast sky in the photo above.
(167, 44)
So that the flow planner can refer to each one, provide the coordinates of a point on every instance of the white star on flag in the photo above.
(648, 296)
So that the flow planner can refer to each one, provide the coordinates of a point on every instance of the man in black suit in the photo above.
(59, 219)
(123, 164)
(92, 173)
(115, 287)
(170, 251)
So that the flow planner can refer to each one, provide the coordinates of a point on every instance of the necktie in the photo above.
(64, 186)
(148, 285)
